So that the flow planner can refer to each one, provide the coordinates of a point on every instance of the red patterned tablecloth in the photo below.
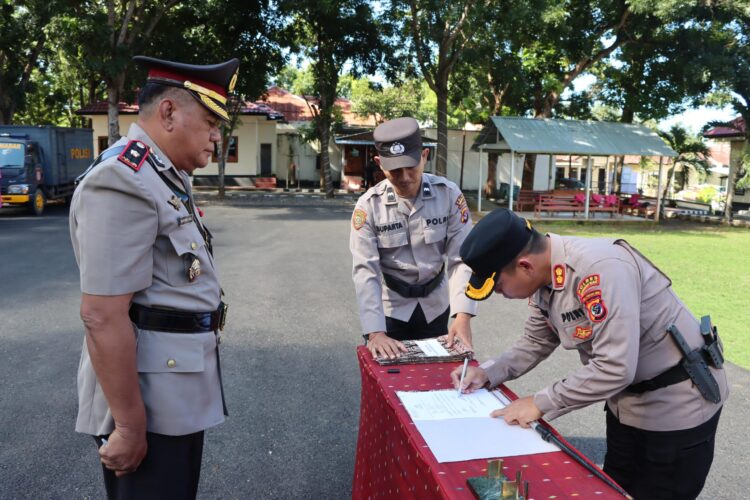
(393, 460)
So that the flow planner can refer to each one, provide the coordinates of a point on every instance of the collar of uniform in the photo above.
(557, 260)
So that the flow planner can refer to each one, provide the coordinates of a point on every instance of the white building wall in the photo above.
(252, 131)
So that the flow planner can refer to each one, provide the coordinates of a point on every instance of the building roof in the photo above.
(248, 108)
(366, 139)
(736, 128)
(570, 137)
(295, 108)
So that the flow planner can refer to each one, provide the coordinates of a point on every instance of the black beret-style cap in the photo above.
(399, 143)
(492, 244)
(210, 84)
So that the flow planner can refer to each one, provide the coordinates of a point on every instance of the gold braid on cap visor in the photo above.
(481, 293)
(211, 104)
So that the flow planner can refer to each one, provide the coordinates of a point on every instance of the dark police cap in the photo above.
(399, 143)
(492, 244)
(209, 84)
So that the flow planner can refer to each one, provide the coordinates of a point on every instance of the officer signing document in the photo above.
(149, 381)
(405, 237)
(657, 367)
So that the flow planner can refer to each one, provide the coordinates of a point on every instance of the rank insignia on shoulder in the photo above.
(390, 196)
(559, 271)
(426, 190)
(359, 218)
(134, 154)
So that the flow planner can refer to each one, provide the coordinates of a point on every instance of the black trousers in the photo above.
(417, 327)
(170, 471)
(660, 465)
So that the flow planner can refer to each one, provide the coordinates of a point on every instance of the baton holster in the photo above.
(695, 365)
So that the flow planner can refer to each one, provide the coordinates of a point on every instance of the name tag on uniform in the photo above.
(391, 226)
(185, 220)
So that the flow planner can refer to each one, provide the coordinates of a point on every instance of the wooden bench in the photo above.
(527, 200)
(604, 206)
(556, 203)
(265, 182)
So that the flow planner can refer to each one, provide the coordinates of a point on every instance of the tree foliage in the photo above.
(332, 33)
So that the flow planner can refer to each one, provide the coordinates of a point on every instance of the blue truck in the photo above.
(40, 164)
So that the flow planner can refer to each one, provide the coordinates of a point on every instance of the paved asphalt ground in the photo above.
(292, 380)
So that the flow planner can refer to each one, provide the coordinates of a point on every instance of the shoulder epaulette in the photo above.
(134, 154)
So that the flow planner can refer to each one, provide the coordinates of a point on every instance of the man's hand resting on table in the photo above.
(520, 412)
(381, 344)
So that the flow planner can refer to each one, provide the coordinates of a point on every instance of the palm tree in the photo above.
(691, 153)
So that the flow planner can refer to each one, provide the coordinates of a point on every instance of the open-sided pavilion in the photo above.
(518, 135)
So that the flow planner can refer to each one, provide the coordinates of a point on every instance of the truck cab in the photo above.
(21, 174)
(39, 164)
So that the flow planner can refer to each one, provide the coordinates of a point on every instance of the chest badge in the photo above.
(175, 202)
(583, 333)
(194, 270)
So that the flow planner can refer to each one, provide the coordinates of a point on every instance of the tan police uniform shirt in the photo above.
(613, 306)
(391, 236)
(130, 235)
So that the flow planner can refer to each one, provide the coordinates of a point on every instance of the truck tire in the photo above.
(38, 202)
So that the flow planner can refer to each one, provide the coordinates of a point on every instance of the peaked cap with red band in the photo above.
(493, 243)
(209, 84)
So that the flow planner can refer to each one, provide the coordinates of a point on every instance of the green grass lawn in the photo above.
(709, 267)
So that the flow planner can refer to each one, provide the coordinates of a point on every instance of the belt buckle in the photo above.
(222, 315)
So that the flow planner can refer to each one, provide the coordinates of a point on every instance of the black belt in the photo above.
(672, 376)
(167, 320)
(413, 291)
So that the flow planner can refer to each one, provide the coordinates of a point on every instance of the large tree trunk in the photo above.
(617, 181)
(441, 162)
(114, 88)
(325, 160)
(490, 186)
(527, 178)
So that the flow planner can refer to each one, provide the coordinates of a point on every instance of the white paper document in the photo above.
(440, 405)
(460, 428)
(432, 347)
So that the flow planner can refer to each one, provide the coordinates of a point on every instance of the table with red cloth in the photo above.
(393, 460)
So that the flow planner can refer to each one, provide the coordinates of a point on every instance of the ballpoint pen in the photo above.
(463, 374)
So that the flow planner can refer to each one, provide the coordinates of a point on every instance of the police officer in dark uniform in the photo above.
(149, 380)
(657, 367)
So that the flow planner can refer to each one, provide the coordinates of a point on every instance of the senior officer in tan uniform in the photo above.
(149, 380)
(604, 299)
(403, 231)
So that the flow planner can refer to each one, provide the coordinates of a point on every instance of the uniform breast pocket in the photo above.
(188, 244)
(435, 229)
(160, 352)
(392, 239)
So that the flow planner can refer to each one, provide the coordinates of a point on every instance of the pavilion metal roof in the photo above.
(570, 137)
